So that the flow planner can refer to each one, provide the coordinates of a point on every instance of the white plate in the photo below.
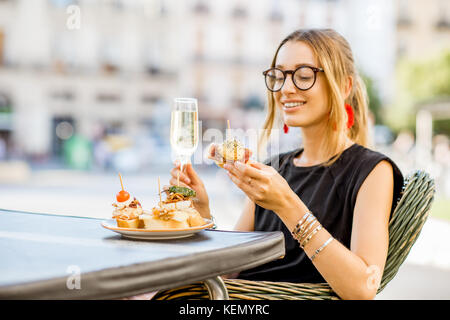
(148, 234)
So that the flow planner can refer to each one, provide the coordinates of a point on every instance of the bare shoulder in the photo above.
(381, 173)
(377, 189)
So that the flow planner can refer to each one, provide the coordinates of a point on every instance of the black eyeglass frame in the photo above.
(286, 72)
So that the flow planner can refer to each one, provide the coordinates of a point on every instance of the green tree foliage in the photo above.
(418, 82)
(374, 99)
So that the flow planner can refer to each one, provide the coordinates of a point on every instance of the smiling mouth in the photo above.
(288, 105)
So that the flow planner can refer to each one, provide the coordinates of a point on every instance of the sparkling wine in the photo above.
(184, 128)
(184, 132)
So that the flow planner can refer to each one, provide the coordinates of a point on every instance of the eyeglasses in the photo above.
(303, 77)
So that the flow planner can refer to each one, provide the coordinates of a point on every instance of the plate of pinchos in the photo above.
(172, 218)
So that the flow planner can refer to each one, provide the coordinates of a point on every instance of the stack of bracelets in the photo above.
(305, 230)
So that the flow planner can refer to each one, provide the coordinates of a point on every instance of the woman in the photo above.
(333, 197)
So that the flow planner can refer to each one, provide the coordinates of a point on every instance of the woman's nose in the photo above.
(289, 86)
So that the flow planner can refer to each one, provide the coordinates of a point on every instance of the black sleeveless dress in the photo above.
(330, 193)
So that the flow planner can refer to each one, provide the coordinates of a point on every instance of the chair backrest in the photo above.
(407, 221)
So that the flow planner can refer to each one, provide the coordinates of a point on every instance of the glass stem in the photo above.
(184, 159)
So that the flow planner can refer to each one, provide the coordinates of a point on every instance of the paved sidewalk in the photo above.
(425, 274)
(432, 248)
(418, 282)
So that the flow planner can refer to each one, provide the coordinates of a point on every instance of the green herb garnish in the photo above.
(187, 192)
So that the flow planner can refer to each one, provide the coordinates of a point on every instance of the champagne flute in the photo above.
(184, 129)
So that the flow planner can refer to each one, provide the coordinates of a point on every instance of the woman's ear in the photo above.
(348, 87)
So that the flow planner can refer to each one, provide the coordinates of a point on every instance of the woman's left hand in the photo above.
(264, 186)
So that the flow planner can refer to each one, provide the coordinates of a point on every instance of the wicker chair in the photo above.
(406, 223)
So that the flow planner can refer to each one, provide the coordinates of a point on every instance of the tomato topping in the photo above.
(122, 196)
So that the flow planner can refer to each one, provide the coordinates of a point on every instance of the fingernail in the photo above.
(226, 166)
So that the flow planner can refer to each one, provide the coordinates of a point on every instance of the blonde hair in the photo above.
(336, 58)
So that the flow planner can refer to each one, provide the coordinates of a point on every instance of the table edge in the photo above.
(273, 248)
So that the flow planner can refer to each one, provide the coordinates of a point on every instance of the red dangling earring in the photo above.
(285, 128)
(350, 115)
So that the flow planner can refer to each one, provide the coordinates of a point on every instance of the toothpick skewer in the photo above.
(228, 131)
(235, 147)
(182, 167)
(121, 182)
(178, 178)
(159, 190)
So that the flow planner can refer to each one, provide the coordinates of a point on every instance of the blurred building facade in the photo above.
(423, 27)
(423, 32)
(113, 66)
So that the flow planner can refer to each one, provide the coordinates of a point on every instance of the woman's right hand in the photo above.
(189, 178)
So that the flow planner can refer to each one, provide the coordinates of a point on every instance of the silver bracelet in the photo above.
(321, 248)
(306, 240)
(213, 221)
(300, 222)
(310, 220)
(308, 227)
